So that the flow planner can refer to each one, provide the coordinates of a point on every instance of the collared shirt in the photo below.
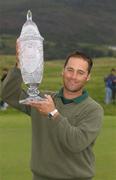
(75, 100)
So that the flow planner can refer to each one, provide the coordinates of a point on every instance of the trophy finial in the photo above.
(29, 15)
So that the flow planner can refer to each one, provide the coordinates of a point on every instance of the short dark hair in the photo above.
(82, 56)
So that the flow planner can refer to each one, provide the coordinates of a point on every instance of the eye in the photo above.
(81, 72)
(70, 69)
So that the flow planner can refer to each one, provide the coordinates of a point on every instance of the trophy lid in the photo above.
(30, 29)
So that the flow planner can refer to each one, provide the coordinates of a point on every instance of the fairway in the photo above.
(15, 139)
(15, 142)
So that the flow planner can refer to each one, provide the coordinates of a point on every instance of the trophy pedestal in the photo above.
(33, 94)
(31, 99)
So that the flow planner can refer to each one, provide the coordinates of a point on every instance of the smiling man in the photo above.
(75, 76)
(64, 126)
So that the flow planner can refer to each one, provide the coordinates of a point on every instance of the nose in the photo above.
(74, 75)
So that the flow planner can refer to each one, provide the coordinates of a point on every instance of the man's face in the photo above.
(75, 74)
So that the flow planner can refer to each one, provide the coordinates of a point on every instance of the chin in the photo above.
(73, 89)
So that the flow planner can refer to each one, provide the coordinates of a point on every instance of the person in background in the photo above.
(114, 87)
(3, 105)
(65, 124)
(109, 87)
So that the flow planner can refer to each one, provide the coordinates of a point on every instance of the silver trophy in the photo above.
(30, 44)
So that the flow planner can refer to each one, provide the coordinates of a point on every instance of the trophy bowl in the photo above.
(30, 48)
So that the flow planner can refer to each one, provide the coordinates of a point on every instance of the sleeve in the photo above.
(77, 138)
(11, 91)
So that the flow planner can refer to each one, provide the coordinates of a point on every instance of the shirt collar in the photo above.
(75, 100)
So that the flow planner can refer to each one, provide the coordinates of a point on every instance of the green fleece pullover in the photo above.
(61, 147)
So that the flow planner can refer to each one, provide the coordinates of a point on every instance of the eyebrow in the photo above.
(76, 70)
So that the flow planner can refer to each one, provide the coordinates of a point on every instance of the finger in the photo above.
(48, 97)
(17, 46)
(17, 54)
(33, 104)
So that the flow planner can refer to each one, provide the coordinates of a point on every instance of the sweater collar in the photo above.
(75, 100)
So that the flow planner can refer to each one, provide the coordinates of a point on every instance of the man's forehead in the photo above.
(76, 61)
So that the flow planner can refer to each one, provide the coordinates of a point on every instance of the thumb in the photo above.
(48, 97)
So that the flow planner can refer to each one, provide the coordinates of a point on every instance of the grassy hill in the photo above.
(89, 21)
(65, 24)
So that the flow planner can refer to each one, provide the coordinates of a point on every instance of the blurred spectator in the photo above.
(3, 105)
(114, 87)
(110, 87)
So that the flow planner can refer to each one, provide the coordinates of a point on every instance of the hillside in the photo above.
(63, 23)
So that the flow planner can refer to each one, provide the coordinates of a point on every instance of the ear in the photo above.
(88, 77)
(62, 73)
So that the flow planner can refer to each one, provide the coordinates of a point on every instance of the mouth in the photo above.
(72, 82)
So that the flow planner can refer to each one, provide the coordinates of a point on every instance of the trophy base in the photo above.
(31, 99)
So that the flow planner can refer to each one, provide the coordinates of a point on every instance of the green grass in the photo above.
(14, 146)
(15, 142)
(105, 150)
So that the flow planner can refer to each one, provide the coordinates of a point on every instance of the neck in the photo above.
(71, 95)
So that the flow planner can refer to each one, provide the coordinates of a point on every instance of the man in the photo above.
(110, 87)
(114, 86)
(3, 105)
(64, 126)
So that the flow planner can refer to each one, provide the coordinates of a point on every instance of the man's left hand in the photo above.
(45, 106)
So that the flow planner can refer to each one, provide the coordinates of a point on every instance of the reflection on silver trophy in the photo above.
(31, 58)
